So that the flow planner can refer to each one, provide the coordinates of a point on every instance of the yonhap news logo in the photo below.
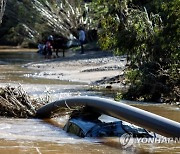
(127, 140)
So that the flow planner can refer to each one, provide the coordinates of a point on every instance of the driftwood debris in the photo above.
(15, 102)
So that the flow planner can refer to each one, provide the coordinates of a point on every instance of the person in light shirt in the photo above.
(82, 38)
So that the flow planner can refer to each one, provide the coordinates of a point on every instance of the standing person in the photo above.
(82, 38)
(49, 46)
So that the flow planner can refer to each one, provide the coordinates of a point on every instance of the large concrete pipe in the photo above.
(139, 117)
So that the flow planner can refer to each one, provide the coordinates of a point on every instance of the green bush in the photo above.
(148, 33)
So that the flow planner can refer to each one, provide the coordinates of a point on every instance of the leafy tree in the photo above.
(148, 33)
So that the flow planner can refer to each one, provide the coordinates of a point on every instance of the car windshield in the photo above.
(83, 124)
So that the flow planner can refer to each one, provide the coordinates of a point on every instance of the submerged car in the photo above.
(96, 125)
(151, 121)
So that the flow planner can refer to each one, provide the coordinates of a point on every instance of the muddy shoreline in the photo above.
(92, 68)
(16, 49)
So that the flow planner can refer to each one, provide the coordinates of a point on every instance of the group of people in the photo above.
(47, 48)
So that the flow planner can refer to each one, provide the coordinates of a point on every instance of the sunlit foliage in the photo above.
(148, 33)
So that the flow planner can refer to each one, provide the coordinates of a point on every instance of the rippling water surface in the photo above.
(47, 136)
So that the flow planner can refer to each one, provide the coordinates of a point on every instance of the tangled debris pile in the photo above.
(15, 102)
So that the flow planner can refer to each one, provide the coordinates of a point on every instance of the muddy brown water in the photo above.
(46, 136)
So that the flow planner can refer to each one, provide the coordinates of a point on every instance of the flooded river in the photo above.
(46, 136)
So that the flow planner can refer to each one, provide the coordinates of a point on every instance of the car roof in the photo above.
(107, 119)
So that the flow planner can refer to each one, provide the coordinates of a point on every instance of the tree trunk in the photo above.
(2, 9)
